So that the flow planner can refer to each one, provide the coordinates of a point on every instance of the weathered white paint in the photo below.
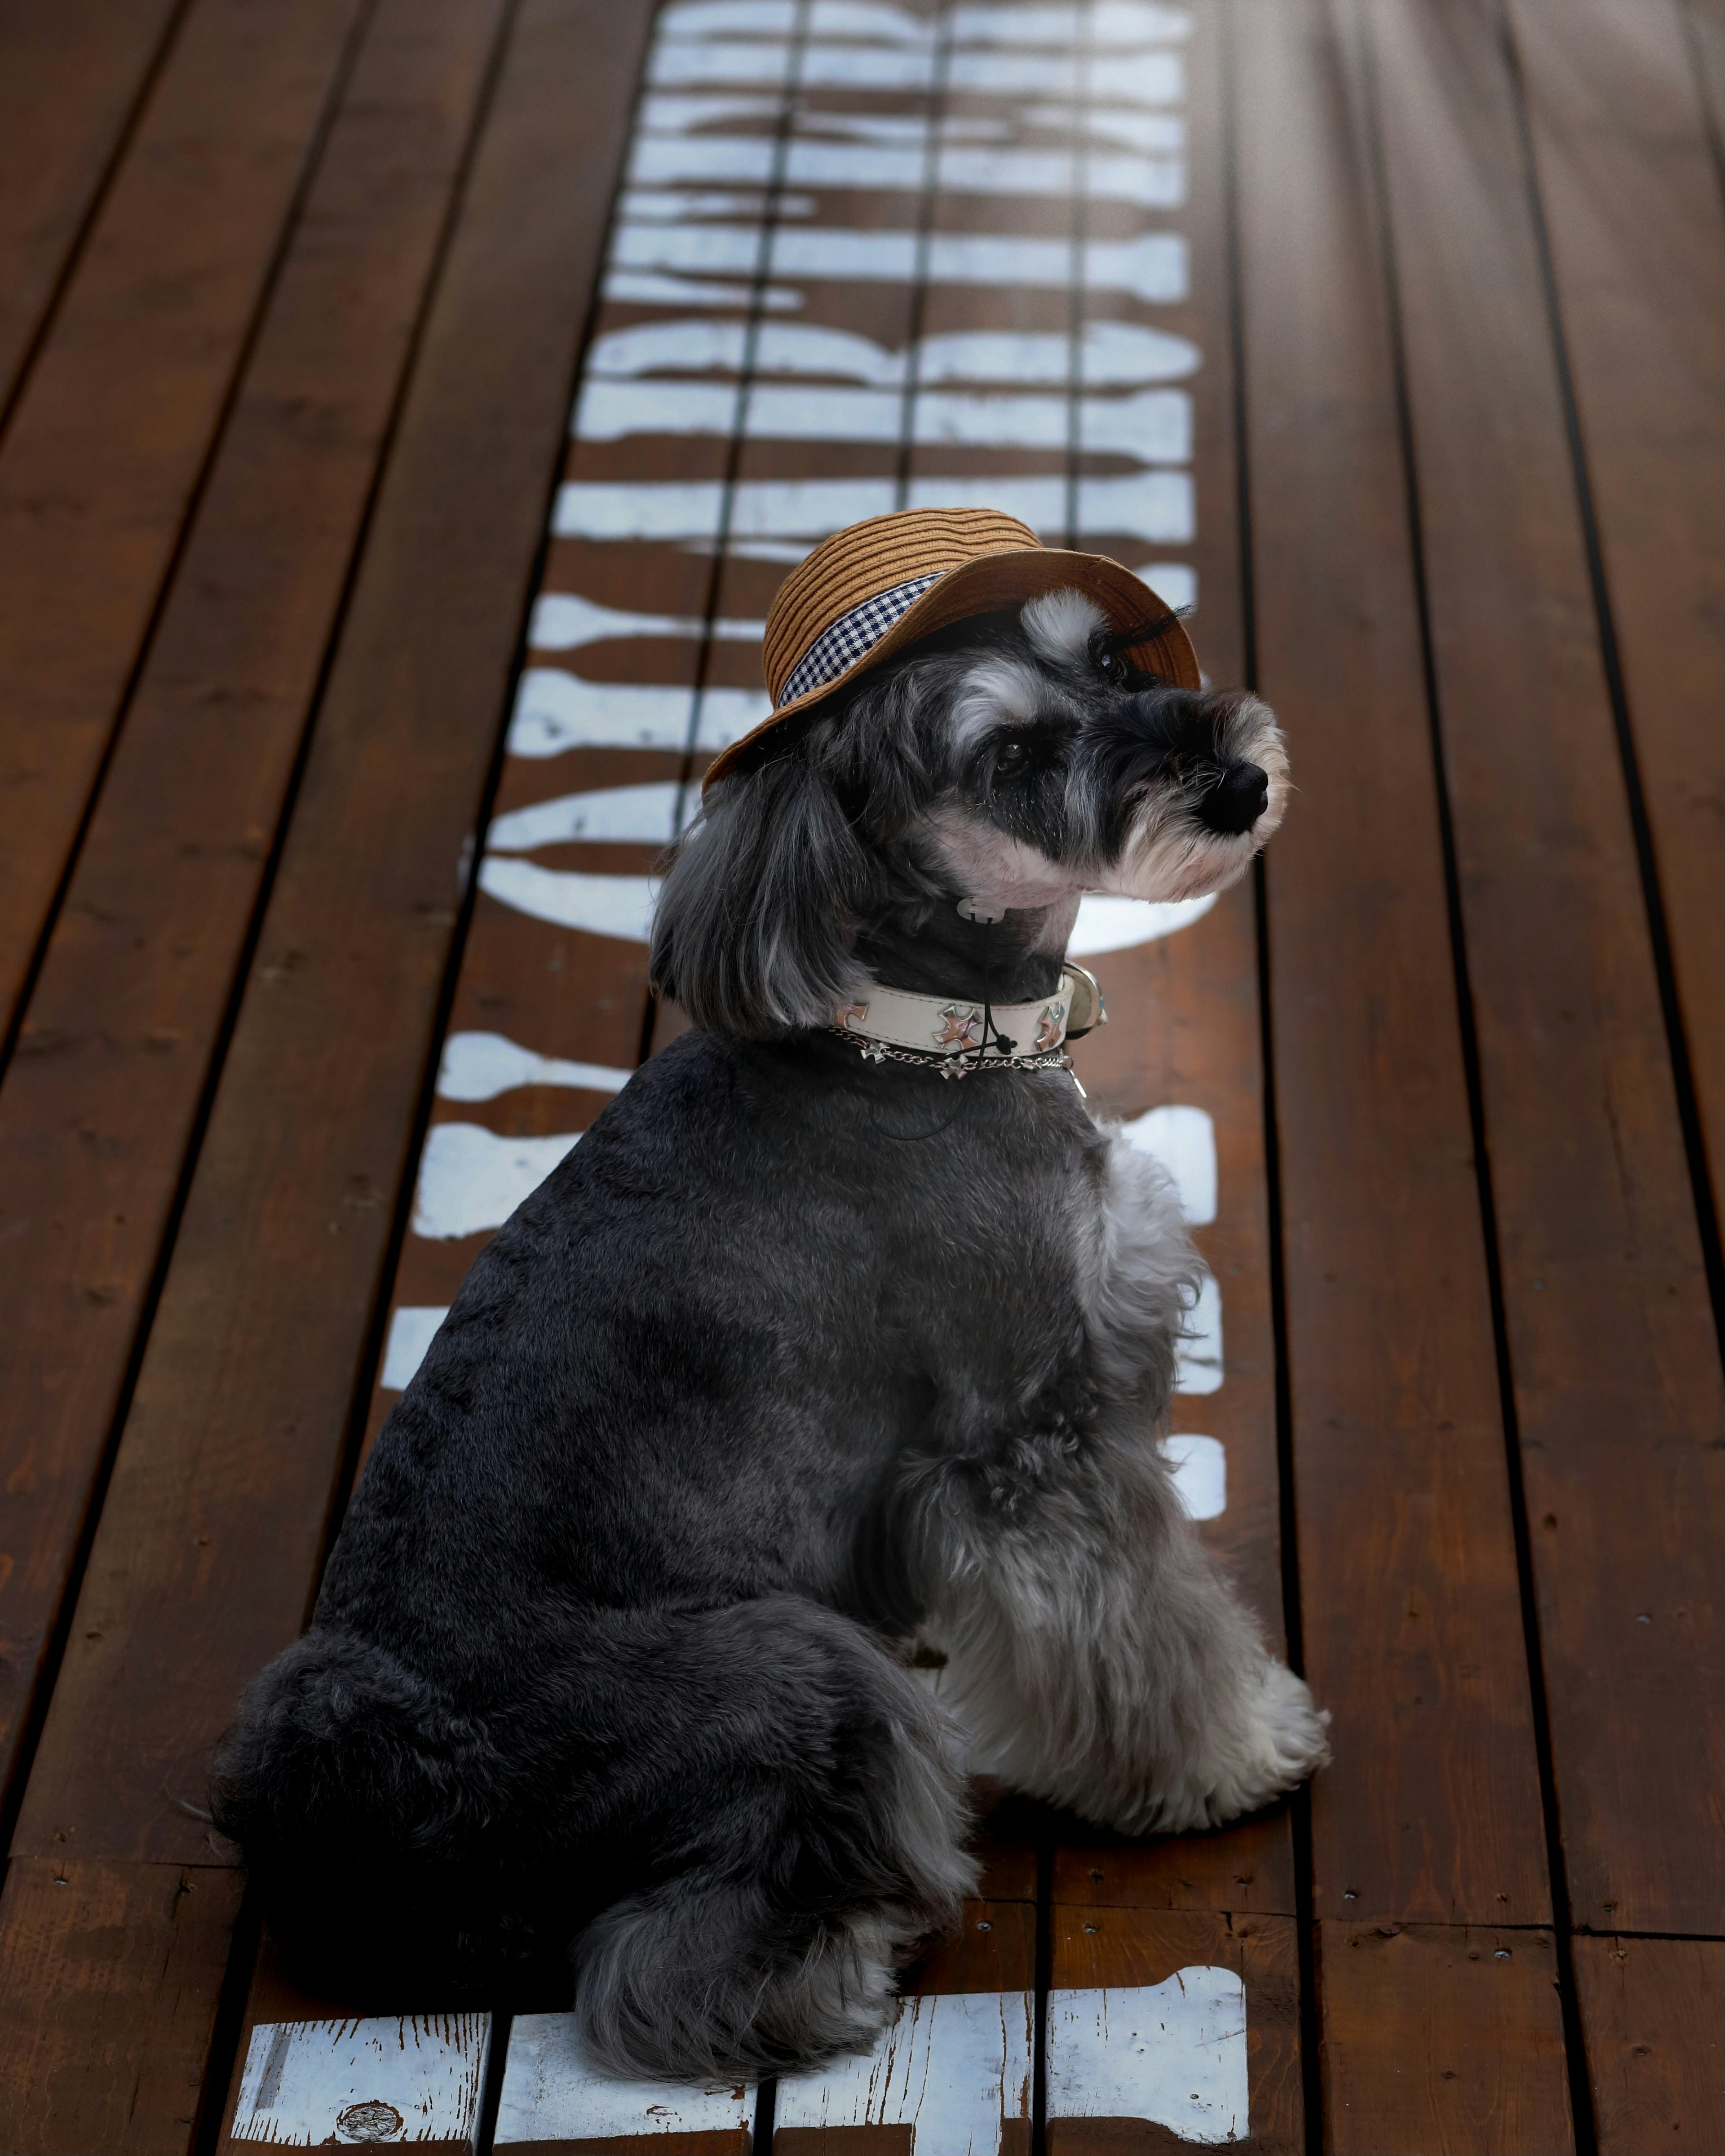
(1153, 426)
(1121, 924)
(470, 1179)
(1109, 24)
(1109, 355)
(478, 1066)
(1151, 505)
(952, 2067)
(553, 2092)
(1153, 266)
(893, 167)
(1184, 1139)
(1174, 582)
(644, 815)
(619, 905)
(1134, 126)
(1173, 2053)
(1198, 1353)
(412, 2081)
(1200, 1466)
(1145, 76)
(727, 715)
(677, 203)
(563, 620)
(412, 1326)
(555, 711)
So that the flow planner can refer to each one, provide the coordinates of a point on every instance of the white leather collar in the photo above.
(950, 1027)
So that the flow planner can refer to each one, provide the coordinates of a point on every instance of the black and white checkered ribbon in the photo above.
(850, 636)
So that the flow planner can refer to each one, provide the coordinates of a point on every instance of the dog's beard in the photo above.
(1169, 852)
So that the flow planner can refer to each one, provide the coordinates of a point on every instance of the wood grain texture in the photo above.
(236, 1429)
(1633, 204)
(101, 461)
(100, 1103)
(1620, 1400)
(1114, 1947)
(208, 1550)
(71, 79)
(1441, 2042)
(1409, 1586)
(92, 1954)
(1653, 2015)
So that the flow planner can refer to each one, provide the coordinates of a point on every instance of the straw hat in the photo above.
(878, 586)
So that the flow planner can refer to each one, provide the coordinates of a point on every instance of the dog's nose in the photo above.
(1237, 799)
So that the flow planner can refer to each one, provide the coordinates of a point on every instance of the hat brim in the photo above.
(984, 586)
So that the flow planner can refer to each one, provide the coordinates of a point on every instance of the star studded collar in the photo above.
(948, 1031)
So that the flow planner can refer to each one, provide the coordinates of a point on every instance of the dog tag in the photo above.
(974, 909)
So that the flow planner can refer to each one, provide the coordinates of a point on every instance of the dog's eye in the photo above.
(1011, 757)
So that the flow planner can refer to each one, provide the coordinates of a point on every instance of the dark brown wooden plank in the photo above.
(101, 460)
(1611, 1329)
(71, 79)
(1441, 2039)
(210, 1539)
(1409, 1587)
(86, 1943)
(1149, 2047)
(1654, 2011)
(1631, 190)
(99, 1105)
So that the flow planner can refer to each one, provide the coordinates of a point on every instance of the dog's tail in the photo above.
(760, 1793)
(819, 1839)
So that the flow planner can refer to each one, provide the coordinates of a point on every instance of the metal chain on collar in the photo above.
(951, 1066)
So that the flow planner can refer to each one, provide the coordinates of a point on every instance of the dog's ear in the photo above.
(756, 927)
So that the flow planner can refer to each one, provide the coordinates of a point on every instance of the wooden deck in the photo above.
(1389, 333)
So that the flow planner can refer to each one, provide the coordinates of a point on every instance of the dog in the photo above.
(803, 1363)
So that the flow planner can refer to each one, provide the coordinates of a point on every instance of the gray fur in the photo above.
(793, 1358)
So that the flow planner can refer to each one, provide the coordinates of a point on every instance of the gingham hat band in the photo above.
(836, 650)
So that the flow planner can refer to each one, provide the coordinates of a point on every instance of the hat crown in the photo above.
(878, 555)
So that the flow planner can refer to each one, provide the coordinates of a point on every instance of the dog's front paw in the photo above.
(1273, 1739)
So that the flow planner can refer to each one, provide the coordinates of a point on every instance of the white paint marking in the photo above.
(1173, 2053)
(1184, 1139)
(563, 620)
(1113, 23)
(664, 161)
(1154, 266)
(1154, 426)
(471, 1179)
(555, 711)
(1174, 582)
(1198, 1353)
(727, 715)
(316, 2083)
(1121, 924)
(953, 2066)
(478, 1066)
(412, 1326)
(552, 2092)
(1200, 1467)
(625, 815)
(1152, 506)
(619, 905)
(1112, 355)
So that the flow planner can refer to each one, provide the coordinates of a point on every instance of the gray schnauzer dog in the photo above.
(800, 1358)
